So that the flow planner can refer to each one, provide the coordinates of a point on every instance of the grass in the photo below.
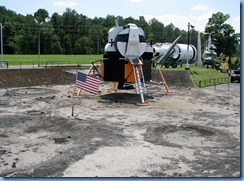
(203, 77)
(64, 59)
(208, 77)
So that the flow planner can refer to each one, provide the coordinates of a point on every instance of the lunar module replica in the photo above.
(129, 59)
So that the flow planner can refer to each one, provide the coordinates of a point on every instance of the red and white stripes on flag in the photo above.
(87, 82)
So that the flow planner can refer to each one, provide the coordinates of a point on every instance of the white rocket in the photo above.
(199, 58)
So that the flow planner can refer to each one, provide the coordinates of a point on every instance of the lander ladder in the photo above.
(139, 79)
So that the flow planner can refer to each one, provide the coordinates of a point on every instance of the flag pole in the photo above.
(79, 90)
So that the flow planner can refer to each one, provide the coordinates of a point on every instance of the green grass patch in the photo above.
(203, 77)
(61, 59)
(208, 77)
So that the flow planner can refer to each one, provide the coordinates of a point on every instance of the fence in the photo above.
(60, 64)
(213, 82)
(19, 65)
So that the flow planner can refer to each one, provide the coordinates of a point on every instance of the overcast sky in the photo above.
(178, 12)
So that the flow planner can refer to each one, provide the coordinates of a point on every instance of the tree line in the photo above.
(74, 33)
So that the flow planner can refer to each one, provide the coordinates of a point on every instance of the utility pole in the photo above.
(1, 27)
(98, 45)
(187, 63)
(39, 44)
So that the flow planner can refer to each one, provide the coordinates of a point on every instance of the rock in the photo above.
(2, 152)
(236, 174)
(14, 165)
(60, 140)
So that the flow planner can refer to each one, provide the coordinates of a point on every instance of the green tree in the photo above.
(55, 47)
(155, 31)
(169, 33)
(83, 45)
(41, 15)
(72, 32)
(223, 34)
(67, 45)
(96, 34)
(57, 22)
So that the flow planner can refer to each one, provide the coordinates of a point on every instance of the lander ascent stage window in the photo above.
(124, 38)
(141, 38)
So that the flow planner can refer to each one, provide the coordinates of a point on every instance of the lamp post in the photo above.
(39, 44)
(1, 27)
(187, 67)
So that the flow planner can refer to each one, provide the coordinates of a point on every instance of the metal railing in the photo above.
(212, 82)
(45, 64)
(60, 64)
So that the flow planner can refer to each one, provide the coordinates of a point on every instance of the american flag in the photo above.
(87, 82)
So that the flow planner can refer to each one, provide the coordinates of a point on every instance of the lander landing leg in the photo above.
(139, 80)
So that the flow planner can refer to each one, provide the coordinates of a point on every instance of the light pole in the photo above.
(39, 44)
(98, 45)
(187, 67)
(1, 27)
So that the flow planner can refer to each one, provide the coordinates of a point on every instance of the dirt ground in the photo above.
(47, 132)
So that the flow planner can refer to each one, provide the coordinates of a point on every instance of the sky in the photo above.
(178, 12)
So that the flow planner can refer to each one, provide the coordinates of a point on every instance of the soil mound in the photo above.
(35, 77)
(175, 78)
